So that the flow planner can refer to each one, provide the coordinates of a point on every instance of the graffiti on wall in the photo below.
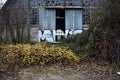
(53, 35)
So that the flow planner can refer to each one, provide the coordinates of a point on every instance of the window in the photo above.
(86, 17)
(34, 16)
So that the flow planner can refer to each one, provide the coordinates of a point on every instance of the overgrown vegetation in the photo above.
(102, 41)
(37, 54)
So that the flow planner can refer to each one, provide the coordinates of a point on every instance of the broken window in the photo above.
(34, 16)
(94, 2)
(86, 16)
(72, 2)
(86, 3)
(42, 2)
(55, 3)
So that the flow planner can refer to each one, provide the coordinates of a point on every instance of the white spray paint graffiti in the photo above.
(50, 35)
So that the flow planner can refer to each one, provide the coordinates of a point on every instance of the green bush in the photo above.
(37, 54)
(101, 43)
(77, 43)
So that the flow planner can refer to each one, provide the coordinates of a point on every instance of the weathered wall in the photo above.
(47, 15)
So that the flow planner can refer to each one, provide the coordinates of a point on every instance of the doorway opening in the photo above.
(60, 23)
(60, 19)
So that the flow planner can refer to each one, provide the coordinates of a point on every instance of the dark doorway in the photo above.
(60, 19)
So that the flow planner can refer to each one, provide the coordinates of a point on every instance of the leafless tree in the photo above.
(1, 4)
(13, 20)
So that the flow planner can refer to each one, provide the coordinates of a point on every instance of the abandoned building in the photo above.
(52, 20)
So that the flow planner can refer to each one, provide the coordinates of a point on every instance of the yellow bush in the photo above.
(38, 54)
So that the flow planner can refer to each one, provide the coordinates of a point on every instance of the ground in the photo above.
(81, 72)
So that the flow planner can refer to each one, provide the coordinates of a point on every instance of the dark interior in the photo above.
(60, 19)
(60, 12)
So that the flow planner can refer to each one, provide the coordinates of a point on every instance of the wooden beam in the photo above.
(63, 7)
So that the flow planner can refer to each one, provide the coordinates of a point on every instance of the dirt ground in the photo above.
(83, 72)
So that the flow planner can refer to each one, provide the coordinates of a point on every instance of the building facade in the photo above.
(51, 20)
